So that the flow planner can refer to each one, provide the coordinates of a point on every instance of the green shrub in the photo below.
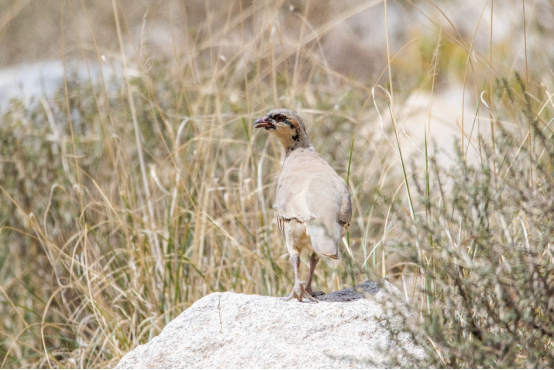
(486, 268)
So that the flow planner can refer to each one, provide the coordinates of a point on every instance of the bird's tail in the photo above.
(326, 240)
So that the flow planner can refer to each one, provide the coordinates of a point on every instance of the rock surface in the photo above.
(346, 329)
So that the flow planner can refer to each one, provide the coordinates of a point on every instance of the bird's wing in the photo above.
(312, 192)
(291, 195)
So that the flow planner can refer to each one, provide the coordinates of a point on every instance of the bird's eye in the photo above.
(280, 118)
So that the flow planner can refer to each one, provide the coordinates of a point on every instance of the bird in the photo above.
(312, 207)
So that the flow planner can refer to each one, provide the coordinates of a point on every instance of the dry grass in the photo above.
(125, 200)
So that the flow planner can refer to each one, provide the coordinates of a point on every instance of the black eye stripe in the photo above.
(283, 118)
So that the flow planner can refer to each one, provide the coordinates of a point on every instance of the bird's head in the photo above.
(287, 126)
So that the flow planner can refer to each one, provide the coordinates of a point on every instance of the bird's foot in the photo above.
(300, 293)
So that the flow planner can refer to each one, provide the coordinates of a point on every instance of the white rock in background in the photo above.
(29, 81)
(229, 330)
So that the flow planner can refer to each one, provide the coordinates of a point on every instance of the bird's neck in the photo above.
(293, 144)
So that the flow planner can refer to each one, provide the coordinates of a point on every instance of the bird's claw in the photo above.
(300, 293)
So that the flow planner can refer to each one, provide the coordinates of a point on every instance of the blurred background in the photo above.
(43, 43)
(133, 183)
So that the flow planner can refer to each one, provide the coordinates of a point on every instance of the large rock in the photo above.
(346, 329)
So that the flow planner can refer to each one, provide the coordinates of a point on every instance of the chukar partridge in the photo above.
(313, 206)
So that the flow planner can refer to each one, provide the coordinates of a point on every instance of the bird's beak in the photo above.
(264, 122)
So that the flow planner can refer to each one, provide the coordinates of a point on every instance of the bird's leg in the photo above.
(313, 262)
(298, 291)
